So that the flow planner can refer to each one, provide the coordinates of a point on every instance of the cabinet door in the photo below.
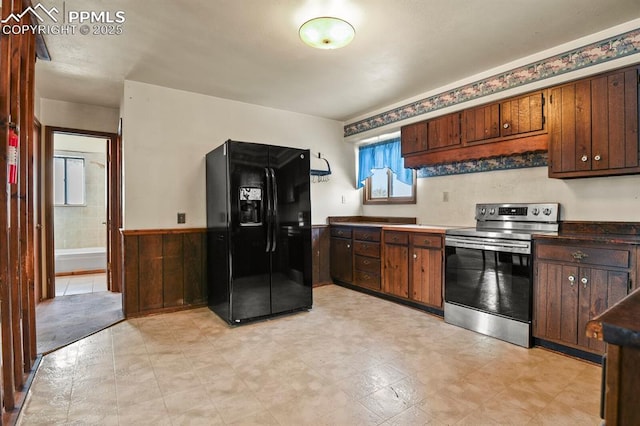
(555, 306)
(426, 284)
(614, 121)
(599, 290)
(341, 259)
(522, 115)
(569, 305)
(481, 123)
(570, 128)
(396, 270)
(413, 138)
(443, 132)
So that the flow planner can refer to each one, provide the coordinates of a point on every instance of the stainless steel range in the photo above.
(489, 274)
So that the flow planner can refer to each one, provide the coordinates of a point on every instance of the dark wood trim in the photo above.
(114, 203)
(132, 232)
(49, 242)
(88, 272)
(8, 387)
(16, 78)
(369, 200)
(36, 176)
(478, 151)
(17, 62)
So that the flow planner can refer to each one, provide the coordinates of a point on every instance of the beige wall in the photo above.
(78, 116)
(594, 199)
(167, 133)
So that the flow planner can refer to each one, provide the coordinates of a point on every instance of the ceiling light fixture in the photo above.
(327, 33)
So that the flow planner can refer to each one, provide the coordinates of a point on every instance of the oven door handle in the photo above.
(490, 245)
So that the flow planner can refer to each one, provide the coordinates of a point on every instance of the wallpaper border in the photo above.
(530, 159)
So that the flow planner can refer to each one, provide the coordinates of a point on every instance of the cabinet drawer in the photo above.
(341, 232)
(367, 249)
(368, 279)
(367, 264)
(394, 237)
(426, 240)
(617, 258)
(366, 234)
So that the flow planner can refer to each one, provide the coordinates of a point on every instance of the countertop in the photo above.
(589, 237)
(620, 324)
(409, 227)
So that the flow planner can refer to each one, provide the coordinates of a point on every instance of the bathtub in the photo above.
(80, 259)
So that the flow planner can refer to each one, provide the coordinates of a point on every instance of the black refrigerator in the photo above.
(259, 231)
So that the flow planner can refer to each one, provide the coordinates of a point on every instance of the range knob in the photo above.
(546, 211)
(483, 211)
(535, 211)
(492, 211)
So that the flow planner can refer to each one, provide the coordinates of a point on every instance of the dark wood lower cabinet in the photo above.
(320, 241)
(396, 264)
(163, 270)
(573, 283)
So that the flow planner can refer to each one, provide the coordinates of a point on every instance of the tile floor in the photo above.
(80, 284)
(353, 359)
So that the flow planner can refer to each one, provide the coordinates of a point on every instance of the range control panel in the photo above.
(531, 212)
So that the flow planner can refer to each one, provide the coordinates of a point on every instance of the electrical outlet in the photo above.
(445, 196)
(344, 200)
(182, 218)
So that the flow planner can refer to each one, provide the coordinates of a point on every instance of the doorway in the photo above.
(81, 291)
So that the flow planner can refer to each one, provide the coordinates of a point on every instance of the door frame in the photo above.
(114, 206)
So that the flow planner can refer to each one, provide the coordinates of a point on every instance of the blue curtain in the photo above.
(379, 156)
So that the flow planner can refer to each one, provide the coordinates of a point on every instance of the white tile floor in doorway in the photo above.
(67, 285)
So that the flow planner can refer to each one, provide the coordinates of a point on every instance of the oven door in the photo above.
(490, 275)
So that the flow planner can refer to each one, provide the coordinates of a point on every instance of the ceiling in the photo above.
(249, 50)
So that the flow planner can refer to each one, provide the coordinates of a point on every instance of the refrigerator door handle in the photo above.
(268, 212)
(274, 200)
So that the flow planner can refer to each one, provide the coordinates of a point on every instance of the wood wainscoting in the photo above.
(164, 270)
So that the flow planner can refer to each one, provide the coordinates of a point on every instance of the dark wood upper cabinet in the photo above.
(512, 126)
(443, 132)
(594, 126)
(522, 115)
(413, 138)
(481, 123)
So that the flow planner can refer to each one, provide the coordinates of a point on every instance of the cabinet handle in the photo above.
(348, 245)
(578, 255)
(584, 281)
(572, 279)
(415, 256)
(597, 157)
(366, 262)
(584, 158)
(505, 125)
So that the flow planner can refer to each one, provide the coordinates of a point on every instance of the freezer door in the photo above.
(249, 231)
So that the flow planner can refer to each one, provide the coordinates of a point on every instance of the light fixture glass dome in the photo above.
(327, 32)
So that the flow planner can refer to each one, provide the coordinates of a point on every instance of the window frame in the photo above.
(368, 199)
(66, 203)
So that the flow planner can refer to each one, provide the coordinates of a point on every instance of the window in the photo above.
(383, 176)
(68, 181)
